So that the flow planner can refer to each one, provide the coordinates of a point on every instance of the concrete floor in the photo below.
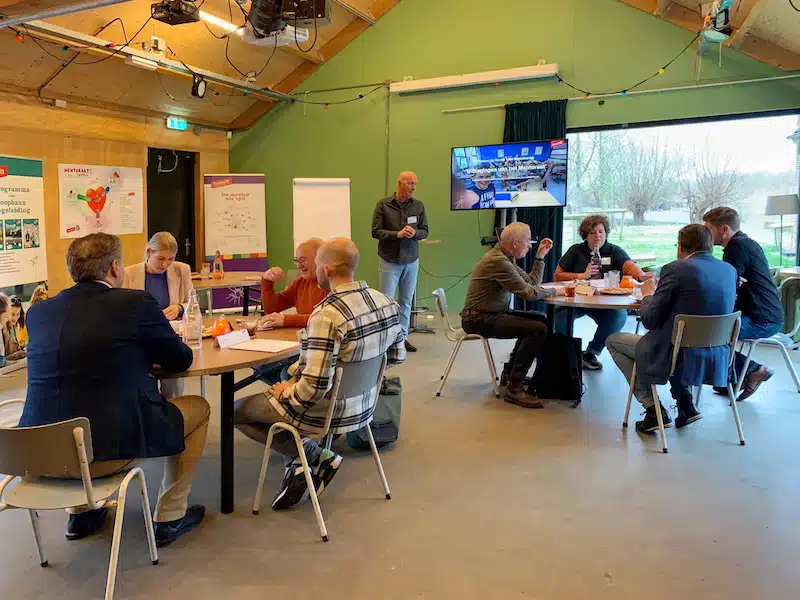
(489, 501)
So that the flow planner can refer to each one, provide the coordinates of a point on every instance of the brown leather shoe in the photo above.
(522, 398)
(753, 381)
(410, 347)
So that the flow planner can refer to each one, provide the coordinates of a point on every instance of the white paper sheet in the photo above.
(261, 345)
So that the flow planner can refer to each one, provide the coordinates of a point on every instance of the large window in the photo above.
(651, 181)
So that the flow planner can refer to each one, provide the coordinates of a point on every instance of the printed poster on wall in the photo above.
(22, 242)
(236, 216)
(98, 198)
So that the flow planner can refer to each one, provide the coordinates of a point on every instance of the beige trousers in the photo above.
(178, 470)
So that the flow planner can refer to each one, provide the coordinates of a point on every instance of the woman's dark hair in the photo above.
(591, 222)
(16, 302)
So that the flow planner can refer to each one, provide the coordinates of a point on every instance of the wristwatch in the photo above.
(540, 259)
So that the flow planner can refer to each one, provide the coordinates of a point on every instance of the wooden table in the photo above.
(598, 301)
(790, 272)
(213, 361)
(232, 279)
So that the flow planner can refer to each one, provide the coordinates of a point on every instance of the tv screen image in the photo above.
(520, 175)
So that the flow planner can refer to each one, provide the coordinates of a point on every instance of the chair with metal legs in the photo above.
(692, 331)
(459, 336)
(352, 379)
(30, 454)
(782, 341)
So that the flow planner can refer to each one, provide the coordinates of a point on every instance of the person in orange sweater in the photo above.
(303, 293)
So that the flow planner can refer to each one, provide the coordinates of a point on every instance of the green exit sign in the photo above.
(176, 123)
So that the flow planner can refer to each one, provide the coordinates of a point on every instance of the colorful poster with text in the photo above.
(100, 199)
(22, 241)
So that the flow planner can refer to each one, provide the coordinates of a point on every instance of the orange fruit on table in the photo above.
(627, 282)
(221, 326)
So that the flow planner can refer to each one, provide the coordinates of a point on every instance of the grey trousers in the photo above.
(253, 417)
(622, 348)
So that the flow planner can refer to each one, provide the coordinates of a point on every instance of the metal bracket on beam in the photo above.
(352, 9)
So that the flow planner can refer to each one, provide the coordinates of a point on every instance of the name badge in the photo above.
(231, 339)
(412, 220)
(605, 261)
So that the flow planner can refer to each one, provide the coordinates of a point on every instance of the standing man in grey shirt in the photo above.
(486, 312)
(399, 223)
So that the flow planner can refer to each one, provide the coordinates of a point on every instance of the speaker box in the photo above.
(302, 13)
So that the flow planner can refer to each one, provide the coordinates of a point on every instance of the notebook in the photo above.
(261, 345)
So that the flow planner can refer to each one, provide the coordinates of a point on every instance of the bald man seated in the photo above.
(352, 324)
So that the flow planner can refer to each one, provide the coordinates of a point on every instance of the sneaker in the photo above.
(650, 422)
(753, 381)
(329, 463)
(410, 347)
(589, 360)
(169, 531)
(518, 396)
(722, 391)
(293, 488)
(687, 413)
(87, 523)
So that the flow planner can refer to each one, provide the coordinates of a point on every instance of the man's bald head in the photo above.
(337, 259)
(406, 185)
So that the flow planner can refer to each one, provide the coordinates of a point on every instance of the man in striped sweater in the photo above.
(352, 324)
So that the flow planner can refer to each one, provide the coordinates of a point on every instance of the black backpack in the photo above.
(559, 372)
(386, 421)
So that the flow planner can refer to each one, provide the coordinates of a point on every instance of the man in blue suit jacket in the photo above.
(696, 284)
(91, 354)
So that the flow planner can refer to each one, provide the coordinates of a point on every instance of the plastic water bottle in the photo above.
(193, 323)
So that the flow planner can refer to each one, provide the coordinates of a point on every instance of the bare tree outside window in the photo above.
(709, 181)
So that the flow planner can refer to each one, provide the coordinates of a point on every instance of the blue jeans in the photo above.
(752, 331)
(405, 276)
(608, 322)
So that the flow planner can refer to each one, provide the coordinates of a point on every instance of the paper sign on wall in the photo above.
(22, 241)
(236, 215)
(100, 199)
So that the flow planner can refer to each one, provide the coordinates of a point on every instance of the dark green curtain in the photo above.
(526, 122)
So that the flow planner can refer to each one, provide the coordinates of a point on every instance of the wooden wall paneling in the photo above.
(62, 136)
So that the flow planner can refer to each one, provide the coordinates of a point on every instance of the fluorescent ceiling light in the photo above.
(221, 23)
(142, 63)
(540, 71)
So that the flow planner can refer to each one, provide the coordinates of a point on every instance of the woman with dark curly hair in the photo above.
(576, 263)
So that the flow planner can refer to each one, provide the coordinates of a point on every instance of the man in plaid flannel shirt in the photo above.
(352, 324)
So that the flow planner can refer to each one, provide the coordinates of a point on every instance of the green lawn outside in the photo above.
(660, 241)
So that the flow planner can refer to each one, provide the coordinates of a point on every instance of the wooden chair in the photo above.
(30, 455)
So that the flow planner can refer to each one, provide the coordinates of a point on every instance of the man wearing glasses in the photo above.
(303, 293)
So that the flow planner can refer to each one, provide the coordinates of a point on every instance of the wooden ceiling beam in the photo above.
(770, 53)
(311, 56)
(304, 71)
(748, 15)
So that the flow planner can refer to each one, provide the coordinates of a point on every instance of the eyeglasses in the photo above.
(15, 301)
(300, 262)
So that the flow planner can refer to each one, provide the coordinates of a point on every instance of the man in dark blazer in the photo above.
(695, 284)
(91, 354)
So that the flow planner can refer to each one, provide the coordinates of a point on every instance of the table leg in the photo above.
(226, 443)
(246, 300)
(210, 298)
(551, 318)
(570, 319)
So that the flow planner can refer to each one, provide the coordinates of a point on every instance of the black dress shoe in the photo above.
(410, 347)
(85, 524)
(169, 531)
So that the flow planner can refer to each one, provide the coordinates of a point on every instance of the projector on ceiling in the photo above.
(287, 36)
(175, 12)
(307, 13)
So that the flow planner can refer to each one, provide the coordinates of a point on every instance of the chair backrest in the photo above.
(354, 379)
(789, 292)
(708, 331)
(45, 449)
(441, 305)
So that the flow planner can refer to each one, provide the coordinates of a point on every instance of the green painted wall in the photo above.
(600, 45)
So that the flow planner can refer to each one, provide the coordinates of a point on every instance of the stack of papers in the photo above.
(271, 346)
